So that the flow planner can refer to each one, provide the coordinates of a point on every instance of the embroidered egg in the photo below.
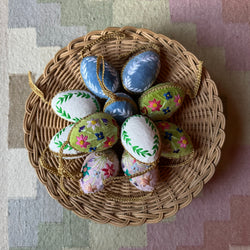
(121, 109)
(175, 141)
(59, 139)
(96, 132)
(140, 137)
(96, 168)
(141, 71)
(145, 182)
(88, 71)
(73, 105)
(161, 101)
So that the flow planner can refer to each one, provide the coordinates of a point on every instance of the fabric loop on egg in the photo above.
(35, 89)
(118, 35)
(105, 90)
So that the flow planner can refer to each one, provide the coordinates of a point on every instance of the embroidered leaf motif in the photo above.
(59, 144)
(64, 98)
(151, 125)
(96, 104)
(59, 134)
(128, 84)
(76, 119)
(63, 113)
(82, 95)
(126, 137)
(140, 151)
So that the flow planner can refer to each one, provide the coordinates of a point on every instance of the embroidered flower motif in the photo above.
(109, 142)
(179, 130)
(145, 181)
(155, 105)
(168, 95)
(135, 168)
(164, 125)
(85, 169)
(93, 123)
(168, 136)
(89, 188)
(92, 149)
(176, 151)
(105, 121)
(81, 128)
(167, 110)
(127, 173)
(183, 142)
(144, 110)
(109, 170)
(82, 141)
(99, 136)
(97, 173)
(177, 100)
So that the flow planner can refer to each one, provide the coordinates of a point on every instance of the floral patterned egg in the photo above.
(96, 168)
(175, 141)
(96, 132)
(140, 137)
(121, 109)
(140, 72)
(88, 72)
(145, 182)
(73, 105)
(58, 140)
(161, 101)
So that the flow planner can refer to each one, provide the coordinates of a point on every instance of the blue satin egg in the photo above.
(121, 110)
(89, 76)
(141, 71)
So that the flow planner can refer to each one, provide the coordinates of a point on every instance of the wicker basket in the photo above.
(202, 118)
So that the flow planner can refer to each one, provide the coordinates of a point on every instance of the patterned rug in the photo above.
(217, 32)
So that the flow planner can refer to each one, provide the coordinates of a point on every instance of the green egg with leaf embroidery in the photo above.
(96, 132)
(73, 105)
(161, 101)
(176, 142)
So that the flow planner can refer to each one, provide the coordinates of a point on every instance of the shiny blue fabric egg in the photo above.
(88, 71)
(122, 108)
(141, 71)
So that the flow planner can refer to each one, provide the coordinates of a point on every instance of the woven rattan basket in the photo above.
(202, 118)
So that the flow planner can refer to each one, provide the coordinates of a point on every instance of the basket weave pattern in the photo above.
(201, 117)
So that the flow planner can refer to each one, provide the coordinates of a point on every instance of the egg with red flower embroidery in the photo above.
(145, 182)
(96, 168)
(176, 142)
(96, 132)
(161, 101)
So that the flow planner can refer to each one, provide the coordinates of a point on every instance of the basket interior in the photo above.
(201, 117)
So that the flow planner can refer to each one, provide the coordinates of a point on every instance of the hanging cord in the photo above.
(118, 35)
(193, 94)
(113, 97)
(35, 89)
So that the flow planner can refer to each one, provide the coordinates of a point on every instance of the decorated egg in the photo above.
(88, 69)
(145, 182)
(96, 132)
(120, 108)
(96, 168)
(59, 139)
(141, 71)
(73, 105)
(161, 101)
(140, 137)
(175, 141)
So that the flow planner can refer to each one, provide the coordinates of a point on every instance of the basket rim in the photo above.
(134, 32)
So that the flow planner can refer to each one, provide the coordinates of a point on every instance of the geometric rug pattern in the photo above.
(217, 32)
